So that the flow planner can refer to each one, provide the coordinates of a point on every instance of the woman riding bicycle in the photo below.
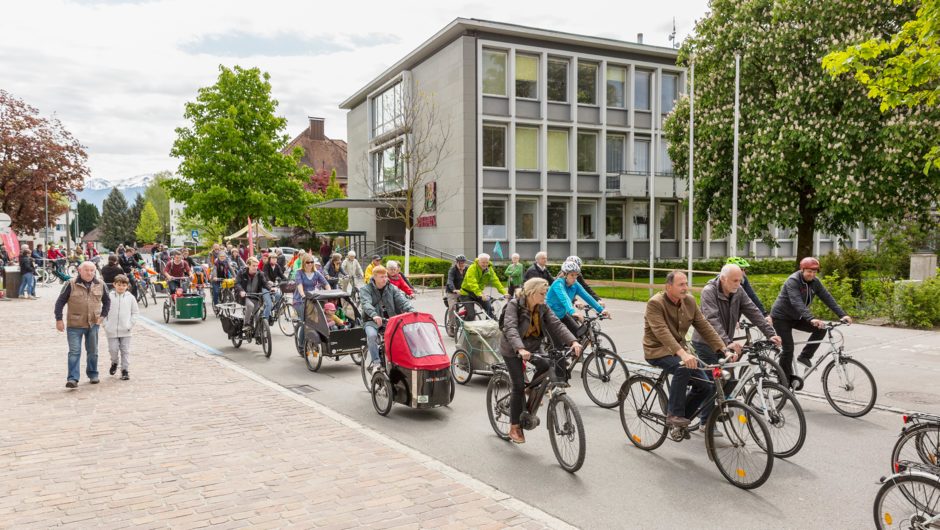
(561, 297)
(526, 320)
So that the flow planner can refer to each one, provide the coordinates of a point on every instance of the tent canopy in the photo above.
(259, 232)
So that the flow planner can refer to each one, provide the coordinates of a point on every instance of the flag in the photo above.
(251, 239)
(498, 250)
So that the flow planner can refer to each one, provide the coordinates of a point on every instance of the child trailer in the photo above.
(319, 340)
(416, 367)
(477, 345)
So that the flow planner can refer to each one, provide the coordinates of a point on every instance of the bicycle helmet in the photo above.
(574, 259)
(809, 262)
(570, 266)
(460, 258)
(740, 262)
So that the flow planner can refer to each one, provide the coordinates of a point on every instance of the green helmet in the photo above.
(740, 262)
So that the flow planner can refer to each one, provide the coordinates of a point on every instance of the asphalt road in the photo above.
(831, 483)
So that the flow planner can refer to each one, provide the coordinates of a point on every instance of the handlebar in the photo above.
(589, 318)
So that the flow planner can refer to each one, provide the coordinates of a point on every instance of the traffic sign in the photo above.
(194, 234)
(5, 220)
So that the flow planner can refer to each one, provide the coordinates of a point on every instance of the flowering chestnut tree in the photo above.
(816, 154)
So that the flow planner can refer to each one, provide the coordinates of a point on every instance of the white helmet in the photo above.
(570, 266)
(575, 259)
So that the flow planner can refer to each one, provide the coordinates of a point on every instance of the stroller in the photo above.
(477, 346)
(417, 370)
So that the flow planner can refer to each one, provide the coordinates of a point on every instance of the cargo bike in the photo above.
(186, 303)
(233, 316)
(319, 340)
(477, 344)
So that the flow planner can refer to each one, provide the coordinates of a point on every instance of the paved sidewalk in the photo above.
(193, 440)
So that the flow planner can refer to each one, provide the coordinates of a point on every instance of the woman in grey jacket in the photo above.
(526, 320)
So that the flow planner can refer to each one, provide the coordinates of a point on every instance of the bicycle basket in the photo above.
(232, 317)
(289, 287)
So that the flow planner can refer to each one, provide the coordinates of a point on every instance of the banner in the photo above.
(11, 242)
(498, 250)
(251, 239)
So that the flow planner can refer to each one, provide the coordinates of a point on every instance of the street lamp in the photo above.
(45, 187)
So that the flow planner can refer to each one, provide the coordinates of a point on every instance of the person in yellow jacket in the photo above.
(480, 275)
(376, 261)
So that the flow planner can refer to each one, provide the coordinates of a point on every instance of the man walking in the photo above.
(87, 308)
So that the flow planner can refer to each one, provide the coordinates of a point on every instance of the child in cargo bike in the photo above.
(333, 320)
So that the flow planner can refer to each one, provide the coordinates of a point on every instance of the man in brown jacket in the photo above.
(669, 315)
(88, 305)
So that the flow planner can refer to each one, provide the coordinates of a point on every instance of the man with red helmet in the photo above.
(791, 311)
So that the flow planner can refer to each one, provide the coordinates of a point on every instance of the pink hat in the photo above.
(329, 306)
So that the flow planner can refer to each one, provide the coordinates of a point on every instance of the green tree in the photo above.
(209, 231)
(901, 69)
(815, 153)
(156, 194)
(330, 219)
(149, 226)
(88, 217)
(115, 228)
(134, 213)
(231, 166)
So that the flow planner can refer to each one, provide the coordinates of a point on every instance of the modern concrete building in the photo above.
(556, 144)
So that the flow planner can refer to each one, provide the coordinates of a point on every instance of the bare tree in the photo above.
(408, 154)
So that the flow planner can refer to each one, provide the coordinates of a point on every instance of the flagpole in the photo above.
(691, 158)
(734, 179)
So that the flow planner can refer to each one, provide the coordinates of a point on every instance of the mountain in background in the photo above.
(97, 189)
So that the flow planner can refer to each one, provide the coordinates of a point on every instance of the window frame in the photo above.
(593, 204)
(662, 92)
(633, 226)
(623, 152)
(607, 79)
(505, 205)
(649, 89)
(535, 201)
(538, 68)
(622, 206)
(505, 55)
(548, 206)
(661, 210)
(649, 162)
(548, 92)
(537, 148)
(593, 171)
(381, 184)
(378, 101)
(567, 134)
(596, 67)
(505, 129)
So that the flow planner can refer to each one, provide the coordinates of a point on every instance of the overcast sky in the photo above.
(118, 72)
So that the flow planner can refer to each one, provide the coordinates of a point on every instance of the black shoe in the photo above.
(94, 381)
(113, 369)
(124, 375)
(71, 384)
(805, 361)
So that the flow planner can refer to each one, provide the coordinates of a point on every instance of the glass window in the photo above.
(387, 112)
(587, 152)
(527, 218)
(785, 233)
(587, 212)
(527, 148)
(558, 150)
(641, 220)
(494, 219)
(665, 163)
(641, 156)
(558, 219)
(641, 92)
(587, 83)
(670, 92)
(494, 72)
(616, 86)
(668, 220)
(527, 76)
(614, 221)
(494, 146)
(388, 168)
(615, 153)
(558, 80)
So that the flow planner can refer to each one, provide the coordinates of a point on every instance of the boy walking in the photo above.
(120, 322)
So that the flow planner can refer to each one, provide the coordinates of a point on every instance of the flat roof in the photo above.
(462, 25)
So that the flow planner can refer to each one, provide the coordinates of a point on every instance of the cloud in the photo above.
(244, 44)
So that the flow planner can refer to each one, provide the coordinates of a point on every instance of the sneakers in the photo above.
(71, 384)
(94, 381)
(676, 421)
(113, 369)
(516, 435)
(805, 361)
(124, 375)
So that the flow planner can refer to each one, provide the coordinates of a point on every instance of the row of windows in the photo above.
(527, 222)
(556, 81)
(527, 151)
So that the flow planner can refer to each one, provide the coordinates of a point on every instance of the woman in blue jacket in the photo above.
(561, 296)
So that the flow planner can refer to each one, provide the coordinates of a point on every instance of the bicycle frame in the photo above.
(538, 387)
(834, 350)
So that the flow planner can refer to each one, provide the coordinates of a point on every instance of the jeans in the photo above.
(216, 292)
(709, 356)
(75, 336)
(517, 375)
(471, 308)
(27, 284)
(372, 339)
(784, 330)
(702, 389)
(299, 309)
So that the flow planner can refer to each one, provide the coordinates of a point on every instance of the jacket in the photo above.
(384, 303)
(514, 272)
(536, 272)
(245, 283)
(123, 315)
(86, 302)
(475, 280)
(749, 291)
(516, 321)
(724, 311)
(368, 275)
(796, 296)
(561, 295)
(455, 278)
(587, 287)
(332, 273)
(402, 283)
(109, 272)
(27, 265)
(665, 325)
(274, 273)
(351, 268)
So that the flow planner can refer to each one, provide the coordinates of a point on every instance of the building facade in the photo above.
(555, 144)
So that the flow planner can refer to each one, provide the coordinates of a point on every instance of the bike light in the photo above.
(905, 418)
(716, 372)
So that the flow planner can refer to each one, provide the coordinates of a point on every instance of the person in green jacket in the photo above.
(479, 276)
(514, 272)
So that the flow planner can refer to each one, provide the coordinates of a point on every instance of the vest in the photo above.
(84, 305)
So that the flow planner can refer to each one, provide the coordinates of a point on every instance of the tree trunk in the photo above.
(407, 252)
(806, 228)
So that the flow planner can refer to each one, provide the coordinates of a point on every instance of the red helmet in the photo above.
(809, 262)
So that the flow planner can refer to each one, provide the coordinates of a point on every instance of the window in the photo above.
(527, 148)
(558, 150)
(784, 233)
(494, 73)
(668, 220)
(587, 152)
(587, 212)
(615, 153)
(587, 83)
(388, 169)
(527, 76)
(387, 110)
(641, 220)
(527, 218)
(616, 86)
(641, 155)
(614, 221)
(558, 219)
(494, 146)
(670, 92)
(558, 80)
(641, 92)
(494, 219)
(665, 163)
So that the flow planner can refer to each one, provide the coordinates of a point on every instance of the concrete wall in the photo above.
(357, 134)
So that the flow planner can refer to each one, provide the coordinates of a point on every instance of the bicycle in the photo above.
(910, 498)
(846, 379)
(234, 324)
(773, 368)
(919, 440)
(742, 451)
(603, 372)
(283, 310)
(565, 427)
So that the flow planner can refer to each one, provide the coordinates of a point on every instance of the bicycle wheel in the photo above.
(920, 443)
(313, 356)
(166, 313)
(356, 357)
(153, 292)
(365, 370)
(142, 298)
(237, 341)
(566, 431)
(643, 412)
(285, 319)
(744, 455)
(602, 341)
(265, 337)
(603, 374)
(497, 404)
(783, 415)
(450, 322)
(908, 501)
(382, 394)
(460, 367)
(849, 387)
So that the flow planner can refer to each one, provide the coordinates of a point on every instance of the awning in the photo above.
(259, 231)
(391, 202)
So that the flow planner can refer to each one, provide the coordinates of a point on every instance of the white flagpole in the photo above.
(734, 180)
(691, 158)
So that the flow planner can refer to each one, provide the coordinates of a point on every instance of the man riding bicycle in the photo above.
(746, 285)
(220, 270)
(351, 271)
(174, 271)
(455, 279)
(380, 301)
(479, 276)
(253, 281)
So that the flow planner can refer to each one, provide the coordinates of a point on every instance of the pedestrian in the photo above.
(120, 323)
(539, 269)
(88, 307)
(27, 289)
(514, 273)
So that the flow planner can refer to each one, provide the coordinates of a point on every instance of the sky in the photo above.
(118, 73)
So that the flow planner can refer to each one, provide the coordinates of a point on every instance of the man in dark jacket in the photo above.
(88, 304)
(791, 311)
(455, 279)
(539, 269)
(111, 271)
(380, 301)
(252, 281)
(128, 262)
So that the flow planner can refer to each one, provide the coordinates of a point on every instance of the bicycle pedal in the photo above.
(677, 434)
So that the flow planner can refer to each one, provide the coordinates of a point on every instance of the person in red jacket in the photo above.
(396, 278)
